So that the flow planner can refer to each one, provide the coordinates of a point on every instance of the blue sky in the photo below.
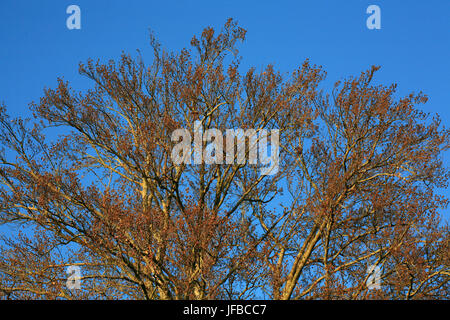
(412, 46)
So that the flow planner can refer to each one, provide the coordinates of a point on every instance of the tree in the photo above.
(356, 185)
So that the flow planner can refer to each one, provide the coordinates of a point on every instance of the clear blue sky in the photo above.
(413, 45)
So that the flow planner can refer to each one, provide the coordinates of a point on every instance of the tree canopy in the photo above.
(356, 185)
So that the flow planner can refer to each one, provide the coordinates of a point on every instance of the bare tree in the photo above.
(355, 186)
